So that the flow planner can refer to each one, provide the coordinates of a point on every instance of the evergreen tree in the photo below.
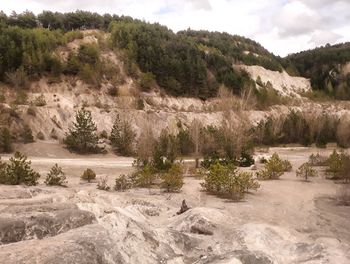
(82, 137)
(122, 137)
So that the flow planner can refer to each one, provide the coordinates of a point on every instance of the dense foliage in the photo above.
(18, 171)
(274, 168)
(227, 181)
(324, 67)
(82, 136)
(56, 177)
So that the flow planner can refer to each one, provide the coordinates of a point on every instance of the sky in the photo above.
(281, 26)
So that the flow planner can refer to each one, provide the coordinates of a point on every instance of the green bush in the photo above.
(27, 135)
(287, 166)
(39, 101)
(306, 171)
(273, 170)
(122, 137)
(147, 81)
(82, 137)
(226, 181)
(172, 181)
(122, 183)
(338, 166)
(56, 177)
(5, 140)
(18, 171)
(145, 177)
(88, 175)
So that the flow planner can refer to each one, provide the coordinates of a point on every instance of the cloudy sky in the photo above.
(282, 26)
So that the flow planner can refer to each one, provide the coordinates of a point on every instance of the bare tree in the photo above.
(146, 142)
(195, 131)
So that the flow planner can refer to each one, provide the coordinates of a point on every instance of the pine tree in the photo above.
(82, 137)
(122, 137)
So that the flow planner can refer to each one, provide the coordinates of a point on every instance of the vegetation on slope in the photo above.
(324, 67)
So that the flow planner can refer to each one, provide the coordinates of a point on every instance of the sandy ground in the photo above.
(285, 221)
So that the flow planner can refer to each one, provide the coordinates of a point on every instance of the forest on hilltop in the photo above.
(187, 63)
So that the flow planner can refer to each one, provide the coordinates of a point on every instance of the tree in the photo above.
(5, 140)
(172, 181)
(19, 171)
(306, 171)
(56, 176)
(122, 137)
(82, 136)
(88, 175)
(274, 168)
(27, 135)
(195, 132)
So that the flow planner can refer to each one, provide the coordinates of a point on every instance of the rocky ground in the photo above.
(286, 221)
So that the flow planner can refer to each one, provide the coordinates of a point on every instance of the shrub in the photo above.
(31, 111)
(82, 137)
(40, 135)
(56, 177)
(334, 165)
(145, 177)
(113, 91)
(147, 81)
(140, 104)
(18, 171)
(274, 168)
(27, 135)
(88, 175)
(122, 137)
(172, 181)
(39, 101)
(317, 160)
(287, 166)
(226, 181)
(18, 79)
(104, 134)
(245, 160)
(5, 140)
(103, 184)
(306, 171)
(21, 98)
(122, 183)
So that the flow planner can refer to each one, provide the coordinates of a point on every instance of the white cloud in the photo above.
(282, 26)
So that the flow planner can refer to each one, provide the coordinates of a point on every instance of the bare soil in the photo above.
(285, 221)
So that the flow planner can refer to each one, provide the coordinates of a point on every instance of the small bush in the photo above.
(145, 177)
(27, 135)
(40, 136)
(122, 183)
(31, 111)
(39, 101)
(306, 171)
(56, 177)
(18, 79)
(317, 160)
(113, 91)
(226, 181)
(21, 98)
(5, 140)
(88, 175)
(18, 171)
(140, 104)
(104, 134)
(274, 168)
(103, 184)
(287, 166)
(245, 160)
(147, 81)
(335, 165)
(172, 181)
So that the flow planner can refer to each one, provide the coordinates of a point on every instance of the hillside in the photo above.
(327, 68)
